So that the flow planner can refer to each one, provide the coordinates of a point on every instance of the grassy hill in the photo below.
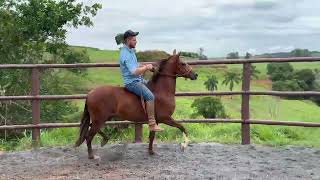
(286, 54)
(261, 107)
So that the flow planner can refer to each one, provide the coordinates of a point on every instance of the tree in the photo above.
(279, 68)
(209, 107)
(201, 51)
(211, 83)
(280, 71)
(248, 56)
(300, 53)
(189, 54)
(231, 78)
(119, 38)
(233, 55)
(201, 55)
(254, 72)
(34, 31)
(306, 79)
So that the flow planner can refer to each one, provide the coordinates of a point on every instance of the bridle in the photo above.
(175, 75)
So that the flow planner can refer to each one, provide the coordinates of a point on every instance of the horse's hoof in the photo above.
(183, 147)
(94, 157)
(104, 142)
(151, 152)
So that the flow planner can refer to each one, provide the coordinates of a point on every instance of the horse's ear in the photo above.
(174, 52)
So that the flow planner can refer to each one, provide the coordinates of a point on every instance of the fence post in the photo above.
(245, 105)
(35, 106)
(138, 133)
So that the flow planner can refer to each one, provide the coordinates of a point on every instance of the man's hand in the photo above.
(142, 69)
(149, 66)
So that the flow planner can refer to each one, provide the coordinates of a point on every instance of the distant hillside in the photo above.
(98, 55)
(84, 47)
(315, 53)
(284, 55)
(274, 55)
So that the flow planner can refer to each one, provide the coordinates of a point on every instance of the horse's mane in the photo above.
(161, 65)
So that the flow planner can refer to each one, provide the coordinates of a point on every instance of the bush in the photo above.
(278, 68)
(316, 99)
(145, 56)
(284, 78)
(209, 107)
(287, 85)
(72, 56)
(306, 77)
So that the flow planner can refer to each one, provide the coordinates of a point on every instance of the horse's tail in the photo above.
(84, 126)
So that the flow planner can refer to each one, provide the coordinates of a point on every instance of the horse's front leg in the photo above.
(171, 122)
(151, 138)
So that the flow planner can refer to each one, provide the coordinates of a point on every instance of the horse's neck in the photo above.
(165, 85)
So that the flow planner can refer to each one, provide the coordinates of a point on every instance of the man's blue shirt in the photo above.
(128, 64)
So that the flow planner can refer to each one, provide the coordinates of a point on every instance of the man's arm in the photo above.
(140, 70)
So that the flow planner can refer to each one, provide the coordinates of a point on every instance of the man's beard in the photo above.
(132, 46)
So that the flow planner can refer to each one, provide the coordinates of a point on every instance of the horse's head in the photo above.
(182, 68)
(175, 67)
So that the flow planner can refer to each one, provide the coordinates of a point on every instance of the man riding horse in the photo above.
(131, 75)
(105, 102)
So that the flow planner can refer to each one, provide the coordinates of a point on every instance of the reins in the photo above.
(174, 75)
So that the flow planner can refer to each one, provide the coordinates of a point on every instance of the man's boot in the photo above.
(152, 122)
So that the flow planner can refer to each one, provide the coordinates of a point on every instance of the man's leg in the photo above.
(153, 126)
(149, 97)
(141, 89)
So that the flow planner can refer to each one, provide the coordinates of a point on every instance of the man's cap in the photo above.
(129, 33)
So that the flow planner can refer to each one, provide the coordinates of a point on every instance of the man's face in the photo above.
(131, 42)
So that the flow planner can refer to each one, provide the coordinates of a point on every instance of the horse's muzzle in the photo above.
(193, 76)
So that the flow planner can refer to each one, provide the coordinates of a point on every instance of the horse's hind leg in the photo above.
(92, 132)
(105, 138)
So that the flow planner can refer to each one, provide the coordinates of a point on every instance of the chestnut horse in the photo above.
(105, 102)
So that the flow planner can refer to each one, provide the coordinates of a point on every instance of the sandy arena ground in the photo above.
(131, 161)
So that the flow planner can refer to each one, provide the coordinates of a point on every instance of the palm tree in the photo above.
(211, 83)
(254, 72)
(231, 78)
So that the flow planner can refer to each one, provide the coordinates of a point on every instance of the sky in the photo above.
(218, 26)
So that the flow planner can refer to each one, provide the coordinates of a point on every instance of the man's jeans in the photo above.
(140, 89)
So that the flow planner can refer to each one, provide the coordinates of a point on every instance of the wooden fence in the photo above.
(245, 120)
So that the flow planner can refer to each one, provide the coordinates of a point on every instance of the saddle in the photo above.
(143, 104)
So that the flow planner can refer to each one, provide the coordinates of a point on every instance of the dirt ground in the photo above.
(131, 161)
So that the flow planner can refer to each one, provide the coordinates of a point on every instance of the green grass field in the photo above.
(261, 107)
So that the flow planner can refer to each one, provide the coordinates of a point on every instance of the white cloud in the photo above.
(220, 26)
